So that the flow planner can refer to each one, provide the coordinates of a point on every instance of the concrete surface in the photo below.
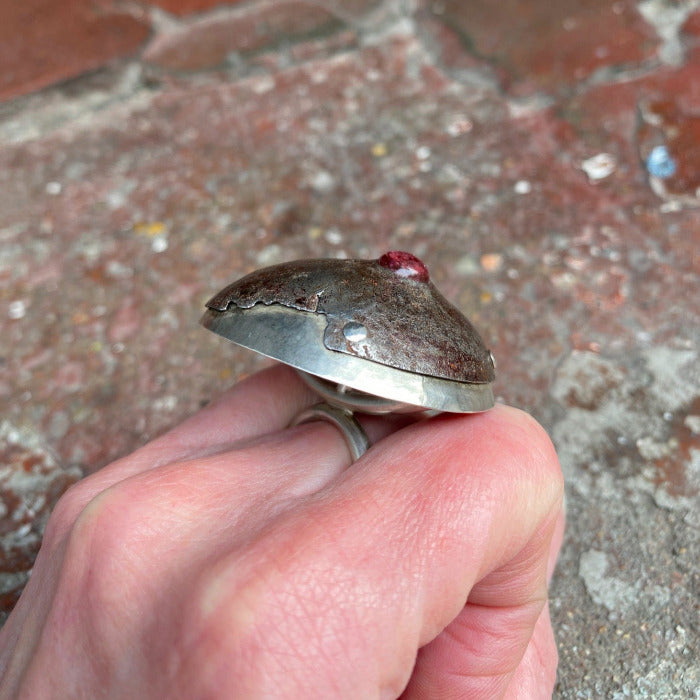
(542, 158)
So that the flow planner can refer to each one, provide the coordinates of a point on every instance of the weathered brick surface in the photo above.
(497, 143)
(212, 41)
(44, 42)
(547, 46)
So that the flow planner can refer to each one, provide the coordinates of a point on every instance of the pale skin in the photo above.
(236, 558)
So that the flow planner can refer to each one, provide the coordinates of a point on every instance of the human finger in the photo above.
(354, 580)
(261, 404)
(161, 525)
(536, 673)
(501, 642)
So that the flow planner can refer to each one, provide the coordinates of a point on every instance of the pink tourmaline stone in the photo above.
(405, 265)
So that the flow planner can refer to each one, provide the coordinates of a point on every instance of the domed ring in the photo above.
(374, 336)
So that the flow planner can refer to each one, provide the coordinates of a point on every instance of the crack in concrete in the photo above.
(39, 114)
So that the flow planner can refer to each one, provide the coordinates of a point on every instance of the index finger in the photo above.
(259, 405)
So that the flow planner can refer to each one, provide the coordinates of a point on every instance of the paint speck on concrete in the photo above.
(607, 590)
(17, 309)
(599, 167)
(522, 187)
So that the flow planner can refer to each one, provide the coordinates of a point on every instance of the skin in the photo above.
(235, 558)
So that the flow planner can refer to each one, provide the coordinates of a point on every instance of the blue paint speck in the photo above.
(660, 163)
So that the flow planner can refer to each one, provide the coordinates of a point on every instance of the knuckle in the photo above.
(236, 613)
(107, 526)
(260, 626)
(65, 512)
(225, 622)
(532, 446)
(102, 569)
(105, 530)
(87, 585)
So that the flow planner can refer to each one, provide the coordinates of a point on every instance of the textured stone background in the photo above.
(543, 159)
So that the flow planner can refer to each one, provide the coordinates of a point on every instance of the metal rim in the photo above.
(296, 339)
(353, 400)
(351, 430)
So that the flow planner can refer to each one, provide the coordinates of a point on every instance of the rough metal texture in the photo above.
(506, 144)
(410, 325)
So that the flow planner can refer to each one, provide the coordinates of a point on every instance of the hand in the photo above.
(234, 558)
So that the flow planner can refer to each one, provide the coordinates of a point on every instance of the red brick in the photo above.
(447, 45)
(662, 109)
(44, 42)
(550, 46)
(691, 27)
(665, 124)
(207, 43)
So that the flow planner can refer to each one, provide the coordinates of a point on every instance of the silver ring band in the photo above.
(351, 430)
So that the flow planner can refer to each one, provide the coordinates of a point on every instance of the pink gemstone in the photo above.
(405, 265)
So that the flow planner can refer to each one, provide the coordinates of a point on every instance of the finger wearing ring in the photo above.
(373, 336)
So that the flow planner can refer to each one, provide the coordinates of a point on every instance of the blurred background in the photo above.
(542, 158)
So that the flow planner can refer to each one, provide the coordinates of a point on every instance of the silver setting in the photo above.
(493, 360)
(353, 400)
(296, 338)
(351, 430)
(410, 325)
(374, 336)
(354, 332)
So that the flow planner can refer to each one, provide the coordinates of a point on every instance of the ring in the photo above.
(353, 433)
(372, 336)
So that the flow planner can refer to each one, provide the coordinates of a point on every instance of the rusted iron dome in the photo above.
(385, 311)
